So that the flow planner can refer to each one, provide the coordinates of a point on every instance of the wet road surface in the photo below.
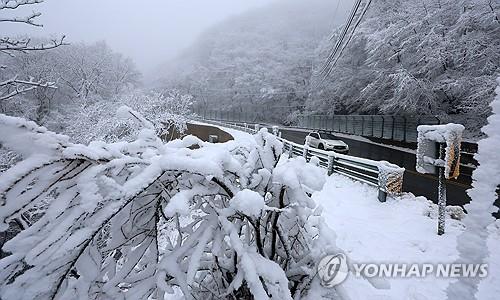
(419, 184)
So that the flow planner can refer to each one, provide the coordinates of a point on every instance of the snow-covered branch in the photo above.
(13, 4)
(141, 219)
(14, 87)
(30, 20)
(8, 45)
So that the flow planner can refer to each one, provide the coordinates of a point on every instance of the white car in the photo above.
(325, 141)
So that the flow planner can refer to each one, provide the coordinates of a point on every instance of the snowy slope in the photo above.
(399, 230)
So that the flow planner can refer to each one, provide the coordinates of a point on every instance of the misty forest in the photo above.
(276, 149)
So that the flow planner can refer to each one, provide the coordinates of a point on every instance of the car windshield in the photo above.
(328, 136)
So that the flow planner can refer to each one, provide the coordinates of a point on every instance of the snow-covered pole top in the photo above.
(440, 133)
(427, 155)
(390, 178)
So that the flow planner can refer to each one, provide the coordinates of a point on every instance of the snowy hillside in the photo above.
(407, 58)
(258, 60)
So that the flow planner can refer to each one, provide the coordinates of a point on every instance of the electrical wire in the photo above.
(347, 31)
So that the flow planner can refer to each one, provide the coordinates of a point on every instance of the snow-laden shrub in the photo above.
(95, 119)
(137, 220)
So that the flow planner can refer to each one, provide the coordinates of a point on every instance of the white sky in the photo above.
(149, 31)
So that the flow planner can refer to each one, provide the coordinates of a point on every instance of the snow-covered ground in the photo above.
(401, 230)
(398, 231)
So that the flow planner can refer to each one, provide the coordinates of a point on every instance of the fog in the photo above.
(149, 31)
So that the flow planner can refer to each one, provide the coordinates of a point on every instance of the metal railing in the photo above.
(396, 128)
(387, 177)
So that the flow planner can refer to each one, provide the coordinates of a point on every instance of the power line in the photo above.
(357, 13)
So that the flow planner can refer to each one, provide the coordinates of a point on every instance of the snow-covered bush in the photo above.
(136, 220)
(95, 119)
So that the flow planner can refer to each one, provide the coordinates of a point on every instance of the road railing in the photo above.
(387, 177)
(401, 128)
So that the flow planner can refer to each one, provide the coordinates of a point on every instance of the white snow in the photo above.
(400, 230)
(305, 174)
(472, 243)
(248, 202)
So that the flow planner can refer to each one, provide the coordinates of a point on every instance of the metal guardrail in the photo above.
(387, 177)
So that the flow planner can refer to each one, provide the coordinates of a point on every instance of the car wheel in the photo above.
(321, 147)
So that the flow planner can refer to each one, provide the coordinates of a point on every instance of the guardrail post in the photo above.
(330, 165)
(382, 195)
(290, 151)
(276, 130)
(305, 152)
(257, 127)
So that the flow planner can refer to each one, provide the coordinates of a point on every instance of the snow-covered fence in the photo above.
(387, 177)
(235, 126)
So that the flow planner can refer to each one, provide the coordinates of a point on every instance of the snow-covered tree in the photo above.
(95, 70)
(94, 118)
(259, 64)
(11, 84)
(139, 219)
(419, 57)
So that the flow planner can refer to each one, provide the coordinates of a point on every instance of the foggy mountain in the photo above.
(263, 58)
(413, 58)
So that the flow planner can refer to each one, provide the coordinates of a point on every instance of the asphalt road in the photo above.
(414, 182)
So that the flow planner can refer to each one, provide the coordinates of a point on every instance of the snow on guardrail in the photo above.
(384, 175)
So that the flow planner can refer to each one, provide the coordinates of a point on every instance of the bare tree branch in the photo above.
(13, 4)
(30, 20)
